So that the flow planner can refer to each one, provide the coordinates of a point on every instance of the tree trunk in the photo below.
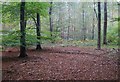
(99, 27)
(84, 28)
(93, 28)
(50, 18)
(22, 30)
(105, 24)
(95, 11)
(68, 34)
(38, 27)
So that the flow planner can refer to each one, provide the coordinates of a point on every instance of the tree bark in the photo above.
(22, 30)
(69, 18)
(50, 18)
(38, 29)
(83, 19)
(95, 11)
(93, 29)
(99, 27)
(105, 24)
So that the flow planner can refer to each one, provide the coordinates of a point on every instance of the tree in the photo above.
(68, 34)
(105, 24)
(83, 19)
(50, 18)
(38, 11)
(99, 27)
(22, 30)
(38, 28)
(93, 25)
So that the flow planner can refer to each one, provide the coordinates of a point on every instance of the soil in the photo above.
(60, 63)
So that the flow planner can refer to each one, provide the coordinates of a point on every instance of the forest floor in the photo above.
(61, 63)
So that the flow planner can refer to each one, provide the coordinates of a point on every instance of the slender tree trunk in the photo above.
(22, 30)
(95, 11)
(112, 13)
(99, 27)
(60, 19)
(84, 28)
(68, 34)
(50, 18)
(62, 29)
(74, 26)
(38, 29)
(105, 24)
(93, 28)
(73, 33)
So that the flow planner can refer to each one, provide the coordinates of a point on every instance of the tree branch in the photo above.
(34, 20)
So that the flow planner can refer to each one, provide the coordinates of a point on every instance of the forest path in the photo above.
(62, 63)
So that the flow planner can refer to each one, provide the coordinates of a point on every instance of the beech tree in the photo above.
(22, 30)
(83, 19)
(93, 24)
(38, 29)
(69, 17)
(50, 18)
(99, 27)
(105, 24)
(39, 10)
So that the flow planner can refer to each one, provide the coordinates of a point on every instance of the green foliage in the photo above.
(11, 16)
(55, 37)
(112, 35)
(116, 19)
(36, 7)
(10, 12)
(79, 43)
(12, 38)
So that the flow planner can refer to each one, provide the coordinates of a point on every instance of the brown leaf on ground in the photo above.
(60, 63)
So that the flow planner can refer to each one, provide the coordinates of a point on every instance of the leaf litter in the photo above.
(61, 63)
